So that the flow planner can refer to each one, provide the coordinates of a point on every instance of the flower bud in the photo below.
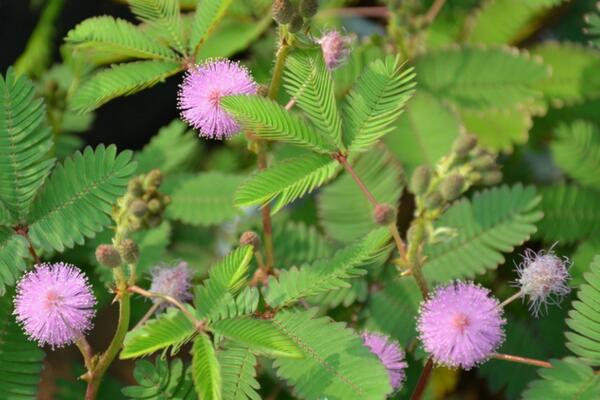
(283, 11)
(491, 177)
(308, 8)
(135, 187)
(108, 256)
(433, 200)
(384, 214)
(452, 187)
(464, 144)
(153, 179)
(335, 49)
(420, 179)
(296, 24)
(485, 161)
(154, 206)
(129, 251)
(250, 238)
(138, 208)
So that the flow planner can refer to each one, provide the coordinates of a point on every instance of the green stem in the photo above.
(415, 244)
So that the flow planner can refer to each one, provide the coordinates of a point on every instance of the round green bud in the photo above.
(308, 8)
(296, 24)
(483, 162)
(434, 200)
(138, 208)
(154, 206)
(283, 11)
(108, 256)
(135, 187)
(384, 214)
(419, 182)
(130, 251)
(250, 238)
(491, 177)
(464, 144)
(452, 187)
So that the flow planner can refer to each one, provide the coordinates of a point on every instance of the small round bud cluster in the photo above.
(464, 144)
(452, 187)
(420, 179)
(296, 23)
(283, 11)
(308, 8)
(129, 251)
(108, 256)
(250, 238)
(384, 214)
(335, 48)
(434, 200)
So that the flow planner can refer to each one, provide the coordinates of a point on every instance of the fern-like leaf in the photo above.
(121, 80)
(567, 379)
(161, 381)
(309, 81)
(295, 243)
(206, 370)
(25, 141)
(77, 200)
(269, 120)
(208, 15)
(164, 18)
(375, 102)
(337, 366)
(495, 221)
(238, 371)
(286, 181)
(13, 251)
(577, 151)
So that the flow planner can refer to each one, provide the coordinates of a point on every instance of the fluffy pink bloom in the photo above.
(390, 354)
(174, 282)
(461, 325)
(54, 304)
(335, 48)
(201, 92)
(543, 277)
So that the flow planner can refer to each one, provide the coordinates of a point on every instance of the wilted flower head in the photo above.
(390, 354)
(461, 325)
(543, 277)
(201, 92)
(335, 48)
(54, 304)
(172, 281)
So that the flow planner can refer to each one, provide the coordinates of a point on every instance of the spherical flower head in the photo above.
(390, 354)
(201, 92)
(461, 325)
(543, 278)
(54, 304)
(174, 282)
(335, 48)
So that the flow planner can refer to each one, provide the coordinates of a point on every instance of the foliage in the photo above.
(161, 381)
(568, 378)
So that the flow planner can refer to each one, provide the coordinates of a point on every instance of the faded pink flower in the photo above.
(201, 92)
(174, 282)
(335, 48)
(461, 325)
(390, 354)
(54, 304)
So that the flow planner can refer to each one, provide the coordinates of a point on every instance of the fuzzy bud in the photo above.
(135, 187)
(308, 8)
(153, 178)
(154, 206)
(296, 23)
(419, 182)
(129, 251)
(452, 187)
(108, 256)
(464, 144)
(139, 208)
(250, 238)
(434, 200)
(384, 214)
(335, 49)
(283, 11)
(491, 177)
(485, 161)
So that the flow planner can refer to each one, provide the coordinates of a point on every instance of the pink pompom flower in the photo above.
(543, 278)
(54, 304)
(201, 92)
(390, 354)
(175, 282)
(335, 48)
(461, 325)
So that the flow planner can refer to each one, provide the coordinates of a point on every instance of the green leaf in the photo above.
(326, 275)
(115, 39)
(238, 373)
(344, 212)
(161, 381)
(21, 361)
(269, 120)
(309, 81)
(121, 80)
(570, 212)
(225, 278)
(171, 329)
(260, 335)
(593, 27)
(77, 200)
(25, 141)
(336, 365)
(424, 132)
(164, 18)
(479, 78)
(13, 251)
(584, 337)
(495, 221)
(567, 379)
(295, 243)
(286, 181)
(375, 102)
(208, 15)
(205, 369)
(577, 151)
(205, 199)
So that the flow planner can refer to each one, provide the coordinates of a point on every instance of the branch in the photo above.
(422, 383)
(169, 299)
(522, 360)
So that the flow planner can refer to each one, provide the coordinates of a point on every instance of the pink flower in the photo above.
(461, 325)
(174, 282)
(201, 92)
(543, 277)
(335, 48)
(54, 304)
(390, 354)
